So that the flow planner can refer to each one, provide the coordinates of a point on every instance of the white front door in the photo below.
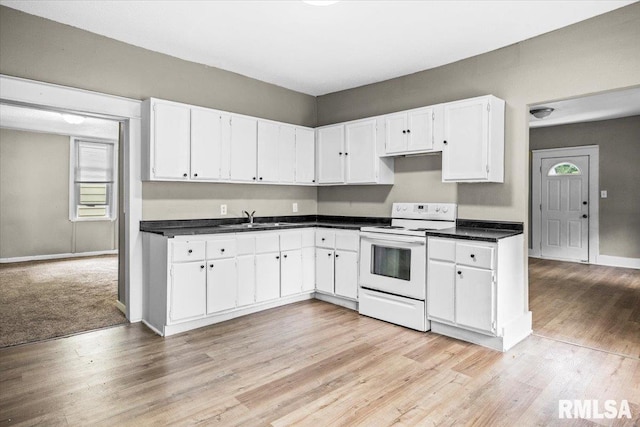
(565, 208)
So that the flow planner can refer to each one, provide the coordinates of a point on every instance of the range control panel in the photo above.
(431, 211)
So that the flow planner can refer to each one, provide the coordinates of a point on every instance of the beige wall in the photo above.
(39, 49)
(34, 200)
(619, 142)
(593, 56)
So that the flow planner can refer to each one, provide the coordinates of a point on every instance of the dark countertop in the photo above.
(487, 231)
(172, 228)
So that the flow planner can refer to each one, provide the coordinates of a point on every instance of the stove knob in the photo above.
(437, 208)
(398, 208)
(404, 208)
(445, 209)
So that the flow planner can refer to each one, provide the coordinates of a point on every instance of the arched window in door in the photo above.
(564, 168)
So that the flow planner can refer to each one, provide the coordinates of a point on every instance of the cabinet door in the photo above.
(291, 272)
(324, 270)
(188, 291)
(171, 139)
(267, 276)
(206, 144)
(360, 153)
(268, 135)
(287, 154)
(346, 274)
(243, 149)
(331, 155)
(396, 133)
(308, 269)
(420, 130)
(221, 284)
(225, 148)
(466, 135)
(305, 156)
(441, 290)
(475, 298)
(246, 280)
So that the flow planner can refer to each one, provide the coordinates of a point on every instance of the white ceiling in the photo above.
(319, 50)
(602, 106)
(35, 120)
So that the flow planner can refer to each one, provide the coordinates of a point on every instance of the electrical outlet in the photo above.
(295, 207)
(223, 209)
(603, 194)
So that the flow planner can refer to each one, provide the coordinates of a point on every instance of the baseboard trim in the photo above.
(120, 306)
(56, 256)
(618, 261)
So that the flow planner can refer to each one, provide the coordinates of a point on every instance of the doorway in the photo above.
(565, 204)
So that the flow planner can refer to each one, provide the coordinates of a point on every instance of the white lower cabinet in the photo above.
(267, 276)
(221, 285)
(188, 291)
(476, 290)
(337, 259)
(291, 272)
(246, 279)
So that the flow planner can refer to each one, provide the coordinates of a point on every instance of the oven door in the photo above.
(394, 263)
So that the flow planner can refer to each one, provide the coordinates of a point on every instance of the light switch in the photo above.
(603, 194)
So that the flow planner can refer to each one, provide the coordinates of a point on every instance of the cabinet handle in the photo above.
(322, 239)
(473, 256)
(277, 257)
(190, 251)
(340, 153)
(195, 174)
(404, 131)
(210, 265)
(444, 142)
(337, 255)
(408, 130)
(254, 178)
(222, 250)
(202, 266)
(584, 216)
(285, 256)
(313, 180)
(460, 273)
(184, 174)
(260, 178)
(346, 154)
(329, 254)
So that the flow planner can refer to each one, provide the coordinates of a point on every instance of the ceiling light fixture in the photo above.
(541, 112)
(72, 118)
(321, 3)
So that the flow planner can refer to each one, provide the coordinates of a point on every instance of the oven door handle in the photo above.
(376, 237)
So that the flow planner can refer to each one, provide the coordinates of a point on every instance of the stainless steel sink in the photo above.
(254, 225)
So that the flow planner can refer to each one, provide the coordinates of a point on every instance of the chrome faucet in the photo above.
(249, 215)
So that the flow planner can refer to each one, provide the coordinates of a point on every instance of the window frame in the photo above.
(74, 195)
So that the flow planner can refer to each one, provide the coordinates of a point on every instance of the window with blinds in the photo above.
(93, 183)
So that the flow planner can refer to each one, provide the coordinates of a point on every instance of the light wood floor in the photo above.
(590, 305)
(310, 363)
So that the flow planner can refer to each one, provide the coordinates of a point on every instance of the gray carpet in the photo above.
(46, 299)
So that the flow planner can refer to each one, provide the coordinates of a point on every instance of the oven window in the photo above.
(391, 262)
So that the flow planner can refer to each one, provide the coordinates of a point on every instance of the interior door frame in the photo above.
(14, 90)
(593, 153)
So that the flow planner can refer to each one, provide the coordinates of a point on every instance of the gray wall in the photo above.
(619, 142)
(39, 49)
(592, 56)
(34, 200)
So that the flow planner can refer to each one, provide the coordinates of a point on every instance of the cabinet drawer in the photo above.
(348, 241)
(290, 240)
(267, 243)
(325, 238)
(221, 248)
(187, 251)
(475, 255)
(441, 249)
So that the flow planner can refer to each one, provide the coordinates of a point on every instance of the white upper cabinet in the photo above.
(348, 154)
(244, 132)
(360, 153)
(413, 131)
(170, 140)
(473, 146)
(268, 148)
(330, 154)
(305, 161)
(286, 154)
(206, 144)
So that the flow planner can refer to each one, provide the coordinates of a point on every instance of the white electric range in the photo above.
(393, 263)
